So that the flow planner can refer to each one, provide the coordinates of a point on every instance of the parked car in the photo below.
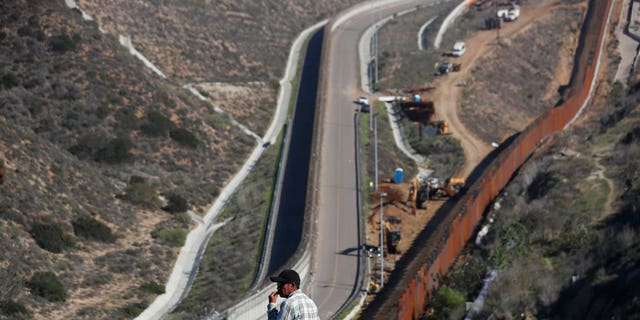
(458, 49)
(363, 100)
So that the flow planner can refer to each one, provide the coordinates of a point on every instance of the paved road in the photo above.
(628, 46)
(336, 261)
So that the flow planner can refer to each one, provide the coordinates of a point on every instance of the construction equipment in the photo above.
(417, 193)
(393, 234)
(433, 189)
(442, 127)
(450, 188)
(447, 67)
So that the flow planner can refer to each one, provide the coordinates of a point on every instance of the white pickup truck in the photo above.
(458, 49)
(509, 14)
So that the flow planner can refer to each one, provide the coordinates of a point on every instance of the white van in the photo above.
(458, 49)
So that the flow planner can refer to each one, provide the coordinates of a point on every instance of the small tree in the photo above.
(14, 310)
(116, 151)
(62, 43)
(152, 288)
(51, 237)
(47, 285)
(448, 304)
(157, 124)
(142, 194)
(177, 204)
(92, 229)
(184, 137)
(173, 237)
(134, 309)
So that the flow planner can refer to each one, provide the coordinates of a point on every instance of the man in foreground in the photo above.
(297, 306)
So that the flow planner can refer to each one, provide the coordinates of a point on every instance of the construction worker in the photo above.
(298, 305)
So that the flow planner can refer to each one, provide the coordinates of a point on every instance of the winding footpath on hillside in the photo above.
(186, 265)
(191, 253)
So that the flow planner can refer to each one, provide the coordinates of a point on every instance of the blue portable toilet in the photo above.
(398, 176)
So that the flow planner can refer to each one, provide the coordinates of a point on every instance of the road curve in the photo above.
(335, 263)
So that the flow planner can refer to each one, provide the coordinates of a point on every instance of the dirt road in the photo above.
(448, 91)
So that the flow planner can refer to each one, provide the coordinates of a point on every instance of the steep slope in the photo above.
(564, 234)
(90, 138)
(215, 40)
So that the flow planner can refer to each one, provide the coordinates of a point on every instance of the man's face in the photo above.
(284, 289)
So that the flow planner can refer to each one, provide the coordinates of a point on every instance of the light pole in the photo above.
(370, 71)
(375, 41)
(311, 282)
(375, 149)
(382, 196)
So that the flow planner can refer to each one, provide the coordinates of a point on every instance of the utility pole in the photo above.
(495, 2)
(370, 71)
(382, 196)
(374, 59)
(375, 149)
(375, 37)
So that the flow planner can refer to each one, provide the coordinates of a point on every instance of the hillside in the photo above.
(92, 141)
(563, 236)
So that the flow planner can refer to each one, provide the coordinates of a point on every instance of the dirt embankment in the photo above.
(481, 106)
(518, 75)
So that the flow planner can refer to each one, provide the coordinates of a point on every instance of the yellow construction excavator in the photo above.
(450, 188)
(433, 189)
(392, 235)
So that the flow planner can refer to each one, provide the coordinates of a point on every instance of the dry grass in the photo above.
(66, 90)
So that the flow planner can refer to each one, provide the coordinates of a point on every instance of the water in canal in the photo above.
(289, 224)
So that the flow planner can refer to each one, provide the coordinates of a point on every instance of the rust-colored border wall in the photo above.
(471, 206)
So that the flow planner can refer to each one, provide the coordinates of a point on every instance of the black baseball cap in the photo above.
(287, 276)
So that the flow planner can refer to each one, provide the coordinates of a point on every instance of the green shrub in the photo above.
(152, 288)
(184, 137)
(47, 285)
(103, 111)
(157, 125)
(62, 43)
(50, 237)
(137, 179)
(24, 31)
(92, 229)
(176, 204)
(134, 309)
(142, 194)
(174, 237)
(14, 310)
(448, 304)
(116, 151)
(217, 121)
(9, 81)
(182, 217)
